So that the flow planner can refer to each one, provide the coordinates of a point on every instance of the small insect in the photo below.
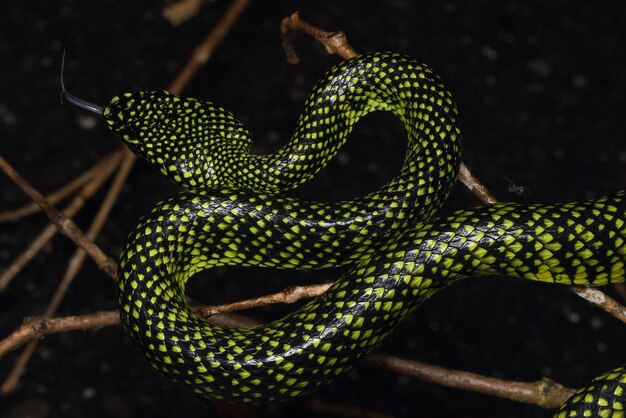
(522, 191)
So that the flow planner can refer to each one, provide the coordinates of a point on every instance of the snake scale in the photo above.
(231, 212)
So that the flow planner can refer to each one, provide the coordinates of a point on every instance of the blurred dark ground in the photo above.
(541, 92)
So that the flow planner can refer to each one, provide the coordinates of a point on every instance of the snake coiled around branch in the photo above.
(232, 212)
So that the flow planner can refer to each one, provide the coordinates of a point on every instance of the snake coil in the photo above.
(231, 213)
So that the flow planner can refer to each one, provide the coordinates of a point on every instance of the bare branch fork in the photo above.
(544, 393)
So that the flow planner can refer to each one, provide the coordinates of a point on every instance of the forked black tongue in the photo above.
(65, 95)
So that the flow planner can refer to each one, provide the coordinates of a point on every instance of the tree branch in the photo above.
(64, 224)
(333, 42)
(103, 166)
(545, 392)
(88, 190)
(73, 267)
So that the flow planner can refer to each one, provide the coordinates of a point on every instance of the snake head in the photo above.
(184, 138)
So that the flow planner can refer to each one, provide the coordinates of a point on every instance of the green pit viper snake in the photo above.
(231, 212)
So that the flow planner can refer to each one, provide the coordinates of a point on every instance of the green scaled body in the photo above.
(604, 397)
(231, 214)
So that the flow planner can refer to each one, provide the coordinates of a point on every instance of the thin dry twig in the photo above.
(602, 300)
(289, 295)
(333, 42)
(204, 51)
(471, 182)
(71, 210)
(74, 266)
(65, 225)
(545, 392)
(61, 193)
(42, 326)
(181, 11)
(326, 407)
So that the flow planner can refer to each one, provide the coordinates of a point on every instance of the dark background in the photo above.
(541, 92)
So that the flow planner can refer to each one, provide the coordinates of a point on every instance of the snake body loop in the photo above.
(230, 213)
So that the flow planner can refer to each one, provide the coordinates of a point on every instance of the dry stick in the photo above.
(471, 182)
(65, 225)
(545, 392)
(204, 51)
(73, 268)
(112, 161)
(333, 42)
(603, 300)
(64, 191)
(40, 327)
(288, 295)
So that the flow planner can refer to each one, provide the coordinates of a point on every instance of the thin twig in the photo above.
(70, 211)
(288, 295)
(333, 42)
(602, 300)
(74, 266)
(64, 191)
(545, 392)
(44, 326)
(65, 225)
(471, 182)
(41, 327)
(204, 51)
(181, 11)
